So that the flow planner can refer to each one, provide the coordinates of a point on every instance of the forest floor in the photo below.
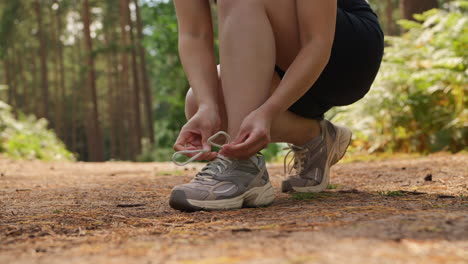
(399, 210)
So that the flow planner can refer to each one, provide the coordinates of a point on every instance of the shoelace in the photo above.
(200, 151)
(209, 171)
(298, 158)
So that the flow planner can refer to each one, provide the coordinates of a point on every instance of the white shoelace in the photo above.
(209, 171)
(298, 158)
(200, 151)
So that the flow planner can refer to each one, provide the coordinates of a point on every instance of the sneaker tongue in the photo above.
(209, 170)
(213, 166)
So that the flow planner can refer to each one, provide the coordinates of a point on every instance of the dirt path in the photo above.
(118, 213)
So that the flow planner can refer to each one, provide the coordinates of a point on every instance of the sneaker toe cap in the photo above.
(179, 201)
(286, 187)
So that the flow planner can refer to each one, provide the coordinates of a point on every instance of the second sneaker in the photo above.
(313, 160)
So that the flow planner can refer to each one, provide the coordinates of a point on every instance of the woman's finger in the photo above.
(185, 146)
(182, 141)
(241, 137)
(252, 145)
(251, 139)
(248, 150)
(213, 156)
(181, 147)
(204, 156)
(209, 156)
(187, 141)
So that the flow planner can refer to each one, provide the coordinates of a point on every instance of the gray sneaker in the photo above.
(225, 184)
(312, 161)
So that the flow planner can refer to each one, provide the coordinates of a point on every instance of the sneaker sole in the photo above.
(343, 139)
(255, 197)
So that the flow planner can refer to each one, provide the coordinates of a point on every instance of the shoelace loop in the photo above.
(298, 158)
(200, 151)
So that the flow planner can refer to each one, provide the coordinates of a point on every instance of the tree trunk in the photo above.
(111, 106)
(136, 89)
(15, 87)
(44, 112)
(111, 96)
(125, 90)
(411, 7)
(144, 72)
(6, 69)
(31, 72)
(34, 100)
(61, 105)
(94, 134)
(75, 92)
(56, 81)
(389, 18)
(23, 103)
(119, 113)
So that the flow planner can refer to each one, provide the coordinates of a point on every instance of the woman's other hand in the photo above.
(253, 136)
(197, 130)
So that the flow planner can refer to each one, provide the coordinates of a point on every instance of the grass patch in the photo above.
(359, 156)
(332, 186)
(310, 196)
(170, 173)
(391, 193)
(304, 196)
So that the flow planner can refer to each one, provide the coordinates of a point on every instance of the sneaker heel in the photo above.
(343, 144)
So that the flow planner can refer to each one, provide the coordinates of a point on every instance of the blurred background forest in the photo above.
(97, 80)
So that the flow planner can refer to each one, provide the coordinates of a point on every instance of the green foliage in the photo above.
(273, 151)
(418, 102)
(310, 196)
(304, 196)
(391, 193)
(29, 138)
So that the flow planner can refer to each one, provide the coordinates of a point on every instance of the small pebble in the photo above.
(428, 177)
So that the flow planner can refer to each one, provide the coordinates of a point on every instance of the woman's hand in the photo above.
(197, 130)
(253, 136)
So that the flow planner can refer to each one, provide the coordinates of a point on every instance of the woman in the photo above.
(283, 64)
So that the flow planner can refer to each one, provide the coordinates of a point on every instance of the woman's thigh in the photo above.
(354, 62)
(356, 54)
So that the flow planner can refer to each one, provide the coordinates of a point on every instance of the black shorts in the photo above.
(354, 62)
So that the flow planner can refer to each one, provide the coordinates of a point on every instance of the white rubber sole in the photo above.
(343, 139)
(255, 197)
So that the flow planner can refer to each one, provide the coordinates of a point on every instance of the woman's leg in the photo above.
(247, 56)
(254, 36)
